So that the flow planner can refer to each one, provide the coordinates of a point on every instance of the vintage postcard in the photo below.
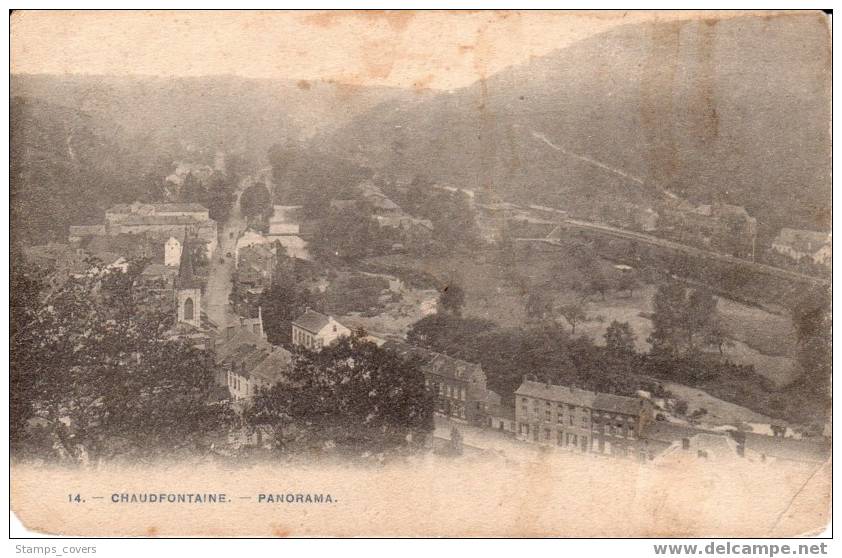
(420, 273)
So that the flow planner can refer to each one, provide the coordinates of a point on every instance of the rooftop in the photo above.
(312, 321)
(550, 392)
(436, 363)
(161, 219)
(159, 270)
(669, 432)
(274, 366)
(449, 367)
(159, 208)
(242, 337)
(128, 245)
(617, 403)
(580, 397)
(81, 230)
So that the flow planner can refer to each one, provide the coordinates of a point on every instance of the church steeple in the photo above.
(188, 289)
(186, 275)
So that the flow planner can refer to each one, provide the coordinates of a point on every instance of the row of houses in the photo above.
(580, 420)
(167, 220)
(544, 414)
(629, 427)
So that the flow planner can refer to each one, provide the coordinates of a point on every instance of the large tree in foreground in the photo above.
(352, 394)
(91, 379)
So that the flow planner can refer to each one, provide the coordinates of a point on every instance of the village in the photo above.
(216, 277)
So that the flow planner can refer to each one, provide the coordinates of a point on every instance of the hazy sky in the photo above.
(442, 50)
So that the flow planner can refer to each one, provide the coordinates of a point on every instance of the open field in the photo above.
(719, 412)
(496, 293)
(779, 366)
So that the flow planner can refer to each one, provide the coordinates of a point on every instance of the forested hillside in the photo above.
(68, 166)
(734, 110)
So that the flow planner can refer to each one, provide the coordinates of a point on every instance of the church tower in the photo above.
(188, 289)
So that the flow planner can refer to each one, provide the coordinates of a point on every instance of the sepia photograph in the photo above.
(420, 273)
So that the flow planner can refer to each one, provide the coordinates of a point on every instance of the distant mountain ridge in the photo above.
(226, 113)
(735, 110)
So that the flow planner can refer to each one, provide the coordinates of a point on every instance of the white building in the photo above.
(314, 330)
(797, 244)
(172, 252)
(285, 227)
(249, 238)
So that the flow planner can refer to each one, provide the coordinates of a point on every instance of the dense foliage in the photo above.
(351, 394)
(95, 376)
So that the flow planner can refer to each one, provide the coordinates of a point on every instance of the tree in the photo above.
(281, 303)
(813, 320)
(452, 215)
(256, 202)
(619, 339)
(452, 298)
(668, 302)
(597, 282)
(348, 234)
(683, 319)
(192, 190)
(351, 393)
(699, 318)
(716, 336)
(574, 313)
(104, 380)
(628, 281)
(220, 196)
(538, 305)
(441, 332)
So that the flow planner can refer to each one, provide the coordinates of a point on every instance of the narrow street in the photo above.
(503, 445)
(222, 266)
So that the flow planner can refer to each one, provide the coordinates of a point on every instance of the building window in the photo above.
(188, 309)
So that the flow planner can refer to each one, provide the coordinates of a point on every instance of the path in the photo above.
(219, 284)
